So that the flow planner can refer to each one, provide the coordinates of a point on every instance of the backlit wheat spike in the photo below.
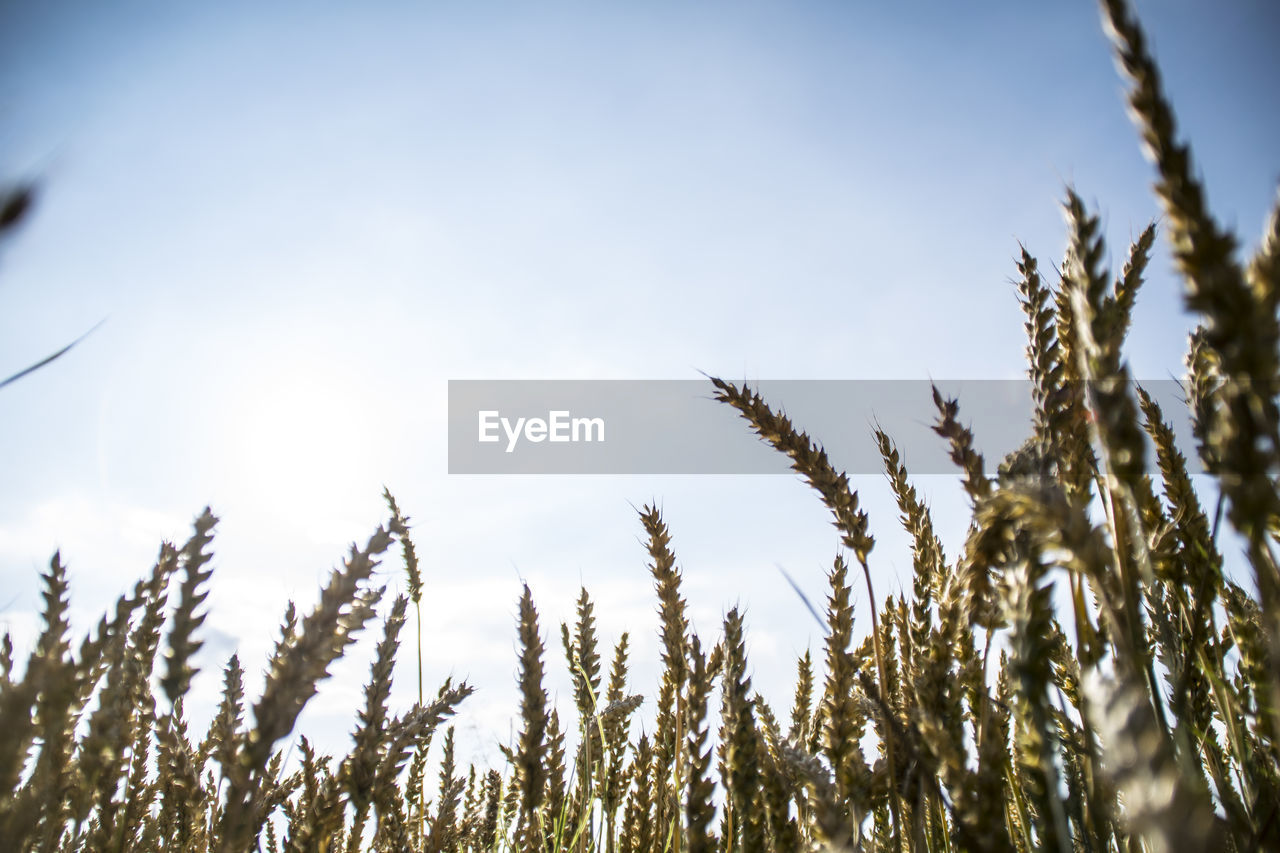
(1202, 387)
(554, 802)
(144, 641)
(1044, 363)
(1061, 525)
(1114, 424)
(182, 645)
(125, 697)
(1192, 524)
(6, 661)
(1263, 272)
(639, 830)
(1118, 308)
(607, 733)
(105, 654)
(344, 609)
(444, 825)
(1242, 331)
(1253, 687)
(1064, 324)
(586, 673)
(1059, 403)
(288, 630)
(530, 757)
(834, 826)
(777, 782)
(843, 720)
(618, 670)
(466, 819)
(221, 739)
(928, 558)
(1097, 801)
(807, 458)
(1204, 251)
(296, 668)
(488, 831)
(37, 705)
(1083, 266)
(617, 711)
(667, 751)
(899, 656)
(963, 454)
(1073, 756)
(400, 526)
(610, 780)
(584, 670)
(668, 740)
(666, 578)
(512, 815)
(358, 771)
(1121, 449)
(1157, 803)
(698, 806)
(801, 712)
(400, 523)
(403, 735)
(1100, 368)
(742, 759)
(318, 823)
(982, 806)
(1032, 606)
(414, 793)
(1197, 579)
(938, 712)
(123, 820)
(980, 577)
(810, 459)
(1247, 635)
(182, 796)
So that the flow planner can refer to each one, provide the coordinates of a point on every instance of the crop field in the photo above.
(973, 713)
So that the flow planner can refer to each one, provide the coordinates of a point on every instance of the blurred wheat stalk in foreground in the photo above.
(974, 716)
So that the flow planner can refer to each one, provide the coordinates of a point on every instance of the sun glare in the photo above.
(300, 444)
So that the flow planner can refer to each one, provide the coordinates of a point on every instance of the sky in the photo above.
(300, 221)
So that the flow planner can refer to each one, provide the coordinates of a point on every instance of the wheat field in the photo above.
(974, 714)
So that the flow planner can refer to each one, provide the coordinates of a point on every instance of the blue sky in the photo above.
(301, 221)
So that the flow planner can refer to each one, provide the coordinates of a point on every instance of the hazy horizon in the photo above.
(300, 222)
